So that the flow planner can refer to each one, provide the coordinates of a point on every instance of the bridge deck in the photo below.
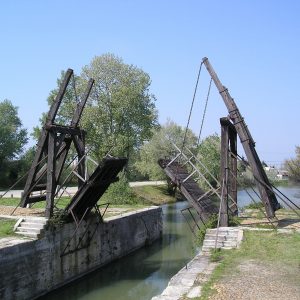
(189, 188)
(90, 192)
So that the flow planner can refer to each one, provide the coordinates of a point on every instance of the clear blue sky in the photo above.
(253, 45)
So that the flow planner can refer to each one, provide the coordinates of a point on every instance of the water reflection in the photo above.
(291, 191)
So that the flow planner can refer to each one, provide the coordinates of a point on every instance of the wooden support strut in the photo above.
(228, 170)
(43, 140)
(267, 195)
(54, 144)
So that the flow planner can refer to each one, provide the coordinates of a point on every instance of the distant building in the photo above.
(282, 174)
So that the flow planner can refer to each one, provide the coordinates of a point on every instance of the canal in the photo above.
(143, 274)
(146, 272)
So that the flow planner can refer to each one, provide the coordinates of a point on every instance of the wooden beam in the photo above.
(51, 181)
(224, 173)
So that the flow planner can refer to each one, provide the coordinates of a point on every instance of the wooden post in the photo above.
(51, 182)
(224, 174)
(267, 195)
(79, 143)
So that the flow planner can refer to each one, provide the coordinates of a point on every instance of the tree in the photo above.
(160, 146)
(293, 165)
(12, 136)
(209, 155)
(120, 113)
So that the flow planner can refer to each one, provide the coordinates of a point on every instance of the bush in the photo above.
(120, 193)
(257, 205)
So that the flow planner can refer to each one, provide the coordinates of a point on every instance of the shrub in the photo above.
(120, 192)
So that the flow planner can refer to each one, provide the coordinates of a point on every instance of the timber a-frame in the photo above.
(52, 150)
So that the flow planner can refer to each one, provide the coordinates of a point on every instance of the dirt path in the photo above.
(254, 280)
(20, 211)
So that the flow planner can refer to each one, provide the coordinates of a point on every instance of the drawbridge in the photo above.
(45, 180)
(226, 188)
(185, 170)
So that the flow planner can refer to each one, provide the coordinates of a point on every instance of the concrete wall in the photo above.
(33, 268)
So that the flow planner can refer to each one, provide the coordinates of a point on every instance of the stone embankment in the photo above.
(33, 267)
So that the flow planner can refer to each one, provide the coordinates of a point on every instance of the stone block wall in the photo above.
(33, 268)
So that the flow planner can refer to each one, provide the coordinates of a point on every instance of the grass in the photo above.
(63, 202)
(280, 250)
(155, 195)
(7, 227)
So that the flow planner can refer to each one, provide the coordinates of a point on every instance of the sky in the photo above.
(253, 46)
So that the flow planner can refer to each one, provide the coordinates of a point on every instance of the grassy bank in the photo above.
(6, 227)
(154, 195)
(276, 250)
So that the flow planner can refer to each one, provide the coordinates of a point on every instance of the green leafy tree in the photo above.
(209, 155)
(13, 136)
(293, 165)
(120, 113)
(160, 146)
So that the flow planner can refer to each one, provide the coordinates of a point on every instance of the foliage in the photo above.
(257, 205)
(12, 140)
(210, 157)
(293, 165)
(7, 227)
(216, 255)
(120, 192)
(155, 195)
(212, 222)
(121, 111)
(12, 136)
(160, 146)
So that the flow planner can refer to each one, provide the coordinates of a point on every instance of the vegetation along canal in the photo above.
(146, 272)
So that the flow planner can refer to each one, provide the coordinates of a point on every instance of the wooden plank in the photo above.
(34, 199)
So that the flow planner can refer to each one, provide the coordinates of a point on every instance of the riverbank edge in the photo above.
(32, 268)
(187, 283)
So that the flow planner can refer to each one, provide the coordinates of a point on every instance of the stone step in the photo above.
(28, 229)
(220, 237)
(39, 220)
(220, 244)
(32, 225)
(29, 234)
(222, 231)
